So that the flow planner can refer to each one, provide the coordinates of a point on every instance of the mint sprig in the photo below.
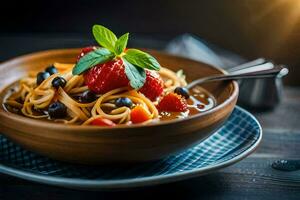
(135, 61)
(141, 59)
(105, 37)
(121, 44)
(99, 56)
(136, 75)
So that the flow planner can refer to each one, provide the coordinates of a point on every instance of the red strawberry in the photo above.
(172, 102)
(102, 122)
(153, 86)
(111, 75)
(107, 76)
(85, 50)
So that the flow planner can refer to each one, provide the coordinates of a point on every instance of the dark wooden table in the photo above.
(252, 178)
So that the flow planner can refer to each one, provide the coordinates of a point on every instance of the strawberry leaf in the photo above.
(121, 44)
(105, 37)
(99, 56)
(141, 59)
(136, 75)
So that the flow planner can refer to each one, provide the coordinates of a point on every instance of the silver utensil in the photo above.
(265, 70)
(262, 93)
(252, 63)
(261, 90)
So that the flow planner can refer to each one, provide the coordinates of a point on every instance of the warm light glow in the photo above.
(292, 16)
(285, 23)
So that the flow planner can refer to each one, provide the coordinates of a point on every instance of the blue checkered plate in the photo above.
(238, 137)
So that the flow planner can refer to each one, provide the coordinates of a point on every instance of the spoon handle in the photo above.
(243, 75)
(255, 62)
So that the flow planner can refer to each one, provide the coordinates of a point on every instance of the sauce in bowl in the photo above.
(200, 100)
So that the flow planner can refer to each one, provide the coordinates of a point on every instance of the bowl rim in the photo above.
(45, 124)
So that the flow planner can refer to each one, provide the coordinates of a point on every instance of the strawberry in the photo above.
(102, 122)
(153, 86)
(172, 102)
(111, 75)
(85, 50)
(107, 76)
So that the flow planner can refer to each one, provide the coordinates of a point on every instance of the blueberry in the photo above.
(41, 76)
(51, 70)
(124, 101)
(87, 97)
(59, 82)
(57, 110)
(183, 92)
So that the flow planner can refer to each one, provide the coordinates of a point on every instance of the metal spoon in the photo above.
(258, 61)
(259, 71)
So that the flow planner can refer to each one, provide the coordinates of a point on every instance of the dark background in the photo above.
(251, 28)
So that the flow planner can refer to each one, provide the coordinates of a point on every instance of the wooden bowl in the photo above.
(91, 145)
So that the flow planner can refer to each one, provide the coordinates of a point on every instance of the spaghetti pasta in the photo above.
(32, 99)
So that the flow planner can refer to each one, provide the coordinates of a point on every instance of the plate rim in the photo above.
(77, 183)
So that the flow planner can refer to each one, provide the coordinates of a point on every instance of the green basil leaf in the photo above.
(121, 44)
(141, 59)
(105, 37)
(136, 75)
(100, 55)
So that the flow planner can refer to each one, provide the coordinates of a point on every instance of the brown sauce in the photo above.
(200, 101)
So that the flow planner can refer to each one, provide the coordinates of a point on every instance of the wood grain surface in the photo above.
(252, 178)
